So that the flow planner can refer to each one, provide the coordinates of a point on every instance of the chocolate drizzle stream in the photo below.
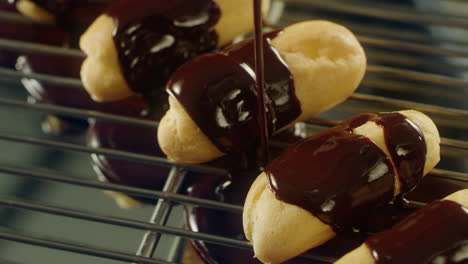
(437, 233)
(218, 91)
(262, 154)
(154, 37)
(339, 176)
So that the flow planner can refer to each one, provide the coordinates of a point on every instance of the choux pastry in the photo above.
(330, 181)
(310, 67)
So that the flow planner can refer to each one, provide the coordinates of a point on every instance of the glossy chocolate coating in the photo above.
(407, 147)
(154, 37)
(437, 232)
(230, 224)
(131, 138)
(339, 176)
(218, 91)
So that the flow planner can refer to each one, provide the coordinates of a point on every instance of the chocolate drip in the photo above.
(227, 224)
(154, 37)
(129, 138)
(437, 233)
(407, 147)
(218, 91)
(262, 154)
(339, 176)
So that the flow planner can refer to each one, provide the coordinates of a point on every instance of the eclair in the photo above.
(438, 233)
(329, 182)
(135, 45)
(35, 11)
(309, 68)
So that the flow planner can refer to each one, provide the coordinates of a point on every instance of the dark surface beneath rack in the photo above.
(52, 208)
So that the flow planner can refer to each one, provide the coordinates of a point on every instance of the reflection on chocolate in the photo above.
(131, 138)
(230, 224)
(407, 147)
(218, 92)
(154, 37)
(437, 233)
(339, 177)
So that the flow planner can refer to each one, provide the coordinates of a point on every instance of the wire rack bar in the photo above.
(369, 30)
(386, 13)
(15, 17)
(452, 112)
(417, 76)
(45, 49)
(81, 113)
(86, 250)
(55, 176)
(78, 112)
(450, 175)
(94, 217)
(161, 213)
(112, 153)
(413, 47)
(65, 82)
(230, 242)
(75, 112)
(24, 46)
(404, 104)
(411, 88)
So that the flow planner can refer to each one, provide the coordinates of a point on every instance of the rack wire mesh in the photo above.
(417, 60)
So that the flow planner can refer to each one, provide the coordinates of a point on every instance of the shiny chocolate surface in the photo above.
(130, 138)
(154, 37)
(339, 176)
(437, 233)
(234, 191)
(218, 91)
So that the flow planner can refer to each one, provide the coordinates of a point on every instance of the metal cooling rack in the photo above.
(409, 66)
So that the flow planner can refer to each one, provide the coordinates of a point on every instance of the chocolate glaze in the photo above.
(230, 224)
(262, 156)
(154, 37)
(129, 138)
(339, 176)
(218, 91)
(407, 147)
(438, 231)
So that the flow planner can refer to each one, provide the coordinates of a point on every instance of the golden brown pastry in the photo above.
(327, 182)
(439, 223)
(113, 72)
(326, 63)
(35, 11)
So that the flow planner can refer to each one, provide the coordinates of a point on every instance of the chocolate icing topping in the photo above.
(339, 176)
(437, 233)
(154, 37)
(227, 224)
(218, 91)
(407, 147)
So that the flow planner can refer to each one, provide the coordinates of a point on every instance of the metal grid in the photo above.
(393, 68)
